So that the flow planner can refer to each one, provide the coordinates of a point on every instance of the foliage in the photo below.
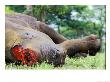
(8, 10)
(17, 8)
(75, 17)
(90, 62)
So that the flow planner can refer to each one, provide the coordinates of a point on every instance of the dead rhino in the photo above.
(30, 46)
(37, 25)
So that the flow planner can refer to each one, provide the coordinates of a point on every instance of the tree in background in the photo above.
(17, 8)
(74, 21)
(29, 10)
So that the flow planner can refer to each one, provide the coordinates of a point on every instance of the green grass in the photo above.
(90, 62)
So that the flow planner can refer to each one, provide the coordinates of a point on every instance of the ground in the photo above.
(90, 62)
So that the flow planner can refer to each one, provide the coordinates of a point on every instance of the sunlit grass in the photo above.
(90, 62)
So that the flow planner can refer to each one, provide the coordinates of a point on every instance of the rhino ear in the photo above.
(93, 38)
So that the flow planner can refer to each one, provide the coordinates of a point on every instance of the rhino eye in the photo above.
(56, 56)
(27, 33)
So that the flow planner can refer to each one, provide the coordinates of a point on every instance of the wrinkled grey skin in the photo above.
(96, 45)
(35, 40)
(22, 18)
(89, 45)
(57, 53)
(49, 52)
(32, 22)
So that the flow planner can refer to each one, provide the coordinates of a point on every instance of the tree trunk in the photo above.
(101, 30)
(42, 14)
(58, 29)
(29, 10)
